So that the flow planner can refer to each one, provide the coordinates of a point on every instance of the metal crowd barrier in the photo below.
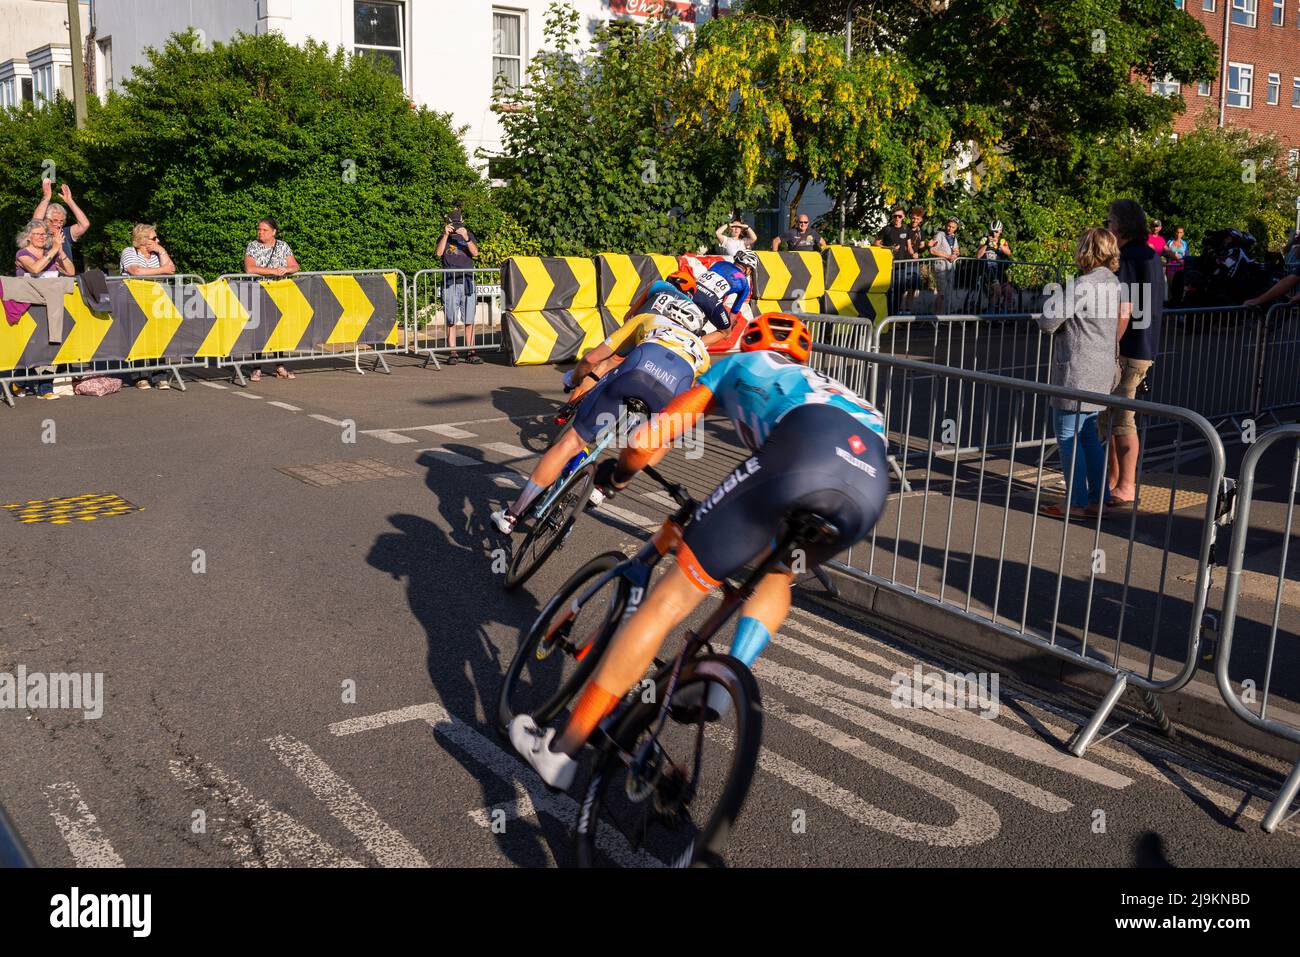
(1123, 595)
(1278, 378)
(1262, 656)
(1208, 361)
(966, 285)
(116, 367)
(319, 350)
(426, 329)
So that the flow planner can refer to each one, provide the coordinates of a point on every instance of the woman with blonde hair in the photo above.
(1085, 353)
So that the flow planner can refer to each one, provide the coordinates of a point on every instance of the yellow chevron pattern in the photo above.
(357, 308)
(87, 333)
(162, 319)
(231, 317)
(541, 338)
(295, 314)
(14, 339)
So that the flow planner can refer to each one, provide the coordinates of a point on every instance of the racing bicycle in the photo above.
(670, 773)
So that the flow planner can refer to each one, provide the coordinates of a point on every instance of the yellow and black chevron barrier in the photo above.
(550, 308)
(620, 280)
(789, 282)
(857, 281)
(74, 508)
(149, 320)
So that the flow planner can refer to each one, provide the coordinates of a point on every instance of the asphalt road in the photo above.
(300, 673)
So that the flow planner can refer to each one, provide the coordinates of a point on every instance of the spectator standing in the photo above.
(802, 238)
(946, 250)
(1084, 356)
(896, 236)
(1175, 253)
(995, 252)
(269, 256)
(458, 248)
(1155, 240)
(735, 236)
(1142, 297)
(56, 216)
(146, 257)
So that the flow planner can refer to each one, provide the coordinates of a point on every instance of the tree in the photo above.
(596, 159)
(794, 104)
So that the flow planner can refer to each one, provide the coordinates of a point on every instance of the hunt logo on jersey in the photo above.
(857, 445)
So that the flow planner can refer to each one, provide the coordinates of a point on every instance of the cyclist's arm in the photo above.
(682, 413)
(590, 361)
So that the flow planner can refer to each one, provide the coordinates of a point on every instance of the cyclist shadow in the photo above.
(533, 413)
(449, 570)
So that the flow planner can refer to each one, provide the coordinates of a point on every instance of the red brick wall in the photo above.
(1270, 49)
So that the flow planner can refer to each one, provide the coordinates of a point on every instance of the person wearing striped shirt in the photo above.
(146, 256)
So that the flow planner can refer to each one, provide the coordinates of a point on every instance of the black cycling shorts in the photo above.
(818, 458)
(652, 373)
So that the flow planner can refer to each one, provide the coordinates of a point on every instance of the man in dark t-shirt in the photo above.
(1142, 294)
(458, 247)
(895, 236)
(802, 238)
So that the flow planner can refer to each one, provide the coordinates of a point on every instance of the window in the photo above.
(379, 32)
(1203, 88)
(1180, 4)
(1243, 12)
(1166, 87)
(1295, 92)
(1207, 6)
(1241, 83)
(1279, 12)
(104, 69)
(43, 88)
(508, 48)
(1293, 163)
(1274, 88)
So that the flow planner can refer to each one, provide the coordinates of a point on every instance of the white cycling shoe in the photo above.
(504, 521)
(534, 746)
(596, 499)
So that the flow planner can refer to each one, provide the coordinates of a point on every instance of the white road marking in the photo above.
(449, 431)
(325, 418)
(79, 827)
(247, 395)
(660, 498)
(825, 694)
(212, 385)
(531, 795)
(508, 480)
(961, 722)
(285, 405)
(258, 834)
(631, 518)
(450, 457)
(387, 845)
(395, 438)
(976, 823)
(508, 450)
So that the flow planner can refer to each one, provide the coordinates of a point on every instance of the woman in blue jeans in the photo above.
(1084, 356)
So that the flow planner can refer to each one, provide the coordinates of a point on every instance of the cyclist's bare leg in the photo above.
(629, 655)
(548, 469)
(770, 602)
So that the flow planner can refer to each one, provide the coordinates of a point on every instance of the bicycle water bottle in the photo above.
(573, 464)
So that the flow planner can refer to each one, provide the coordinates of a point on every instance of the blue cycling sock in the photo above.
(751, 637)
(530, 492)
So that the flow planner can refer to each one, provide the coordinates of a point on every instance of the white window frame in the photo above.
(521, 18)
(1180, 4)
(1246, 72)
(1167, 87)
(104, 65)
(1248, 10)
(1274, 95)
(1207, 6)
(1295, 92)
(1293, 163)
(1203, 88)
(403, 40)
(1279, 13)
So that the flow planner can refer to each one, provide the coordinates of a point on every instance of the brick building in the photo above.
(1258, 86)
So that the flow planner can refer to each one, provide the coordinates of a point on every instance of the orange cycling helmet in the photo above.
(684, 280)
(778, 332)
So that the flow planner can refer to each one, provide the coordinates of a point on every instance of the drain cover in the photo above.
(76, 508)
(344, 473)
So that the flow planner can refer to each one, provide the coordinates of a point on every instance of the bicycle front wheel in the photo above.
(562, 647)
(674, 792)
(549, 531)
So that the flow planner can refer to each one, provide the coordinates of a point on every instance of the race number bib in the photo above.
(712, 283)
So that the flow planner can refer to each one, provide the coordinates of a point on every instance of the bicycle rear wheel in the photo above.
(559, 651)
(676, 794)
(549, 531)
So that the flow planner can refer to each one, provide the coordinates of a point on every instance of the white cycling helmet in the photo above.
(746, 259)
(686, 314)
